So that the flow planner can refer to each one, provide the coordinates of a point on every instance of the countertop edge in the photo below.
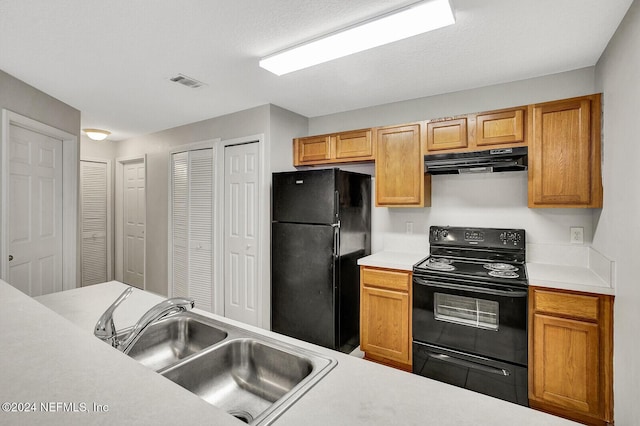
(561, 277)
(359, 392)
(402, 261)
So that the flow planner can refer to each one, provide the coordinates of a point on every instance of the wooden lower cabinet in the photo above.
(571, 354)
(385, 316)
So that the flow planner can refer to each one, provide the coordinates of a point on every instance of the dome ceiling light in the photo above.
(96, 134)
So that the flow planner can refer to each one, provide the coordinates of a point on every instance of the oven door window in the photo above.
(469, 311)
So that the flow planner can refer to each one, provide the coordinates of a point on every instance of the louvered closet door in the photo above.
(192, 226)
(93, 193)
(200, 227)
(180, 224)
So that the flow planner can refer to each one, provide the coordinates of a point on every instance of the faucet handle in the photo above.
(105, 328)
(161, 310)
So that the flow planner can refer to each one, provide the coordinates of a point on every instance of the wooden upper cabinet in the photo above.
(447, 134)
(312, 149)
(479, 131)
(341, 147)
(399, 166)
(564, 153)
(498, 128)
(354, 145)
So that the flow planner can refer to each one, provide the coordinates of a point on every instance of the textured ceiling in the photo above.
(112, 59)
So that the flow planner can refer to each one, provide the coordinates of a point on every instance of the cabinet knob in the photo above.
(10, 257)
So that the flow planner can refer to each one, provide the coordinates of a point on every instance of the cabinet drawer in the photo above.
(566, 304)
(393, 280)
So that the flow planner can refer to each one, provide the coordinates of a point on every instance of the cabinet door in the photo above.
(565, 154)
(384, 324)
(400, 178)
(497, 128)
(311, 150)
(566, 360)
(356, 146)
(447, 134)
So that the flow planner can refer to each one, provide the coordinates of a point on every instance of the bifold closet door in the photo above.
(191, 218)
(94, 205)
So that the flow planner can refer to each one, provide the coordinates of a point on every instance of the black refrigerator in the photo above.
(321, 226)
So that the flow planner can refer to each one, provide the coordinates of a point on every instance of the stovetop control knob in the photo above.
(510, 237)
(444, 233)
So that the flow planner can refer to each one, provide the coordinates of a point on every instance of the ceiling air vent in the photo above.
(187, 81)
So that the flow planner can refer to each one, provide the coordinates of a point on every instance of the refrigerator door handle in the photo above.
(336, 239)
(336, 203)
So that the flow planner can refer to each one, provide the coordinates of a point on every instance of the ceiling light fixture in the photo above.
(412, 20)
(96, 134)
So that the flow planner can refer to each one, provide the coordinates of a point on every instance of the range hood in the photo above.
(492, 160)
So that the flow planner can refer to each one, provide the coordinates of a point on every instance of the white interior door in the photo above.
(241, 232)
(34, 213)
(94, 222)
(191, 271)
(134, 217)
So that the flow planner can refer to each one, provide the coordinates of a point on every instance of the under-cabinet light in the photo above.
(397, 25)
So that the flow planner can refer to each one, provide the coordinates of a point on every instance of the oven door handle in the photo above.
(469, 364)
(476, 289)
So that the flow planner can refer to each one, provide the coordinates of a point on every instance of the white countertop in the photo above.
(569, 267)
(403, 261)
(45, 358)
(576, 278)
(578, 268)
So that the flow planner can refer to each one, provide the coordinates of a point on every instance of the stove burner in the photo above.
(503, 274)
(440, 264)
(499, 267)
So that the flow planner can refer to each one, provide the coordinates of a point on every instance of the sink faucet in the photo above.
(106, 329)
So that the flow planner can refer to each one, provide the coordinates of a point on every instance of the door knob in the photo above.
(10, 257)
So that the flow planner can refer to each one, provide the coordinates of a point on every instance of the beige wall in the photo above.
(157, 147)
(277, 125)
(523, 92)
(19, 97)
(487, 200)
(617, 231)
(103, 150)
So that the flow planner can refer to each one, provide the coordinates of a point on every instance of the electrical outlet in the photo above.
(577, 235)
(409, 227)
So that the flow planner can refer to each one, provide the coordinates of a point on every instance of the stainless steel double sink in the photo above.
(253, 377)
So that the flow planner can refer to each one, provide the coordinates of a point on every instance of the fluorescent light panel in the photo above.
(404, 23)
